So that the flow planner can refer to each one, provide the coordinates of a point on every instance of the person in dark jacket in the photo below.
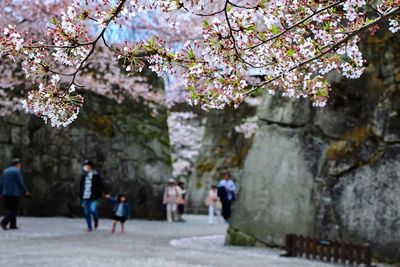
(121, 211)
(12, 188)
(92, 189)
(226, 193)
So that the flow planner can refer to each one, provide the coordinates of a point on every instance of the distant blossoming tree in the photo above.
(101, 73)
(290, 45)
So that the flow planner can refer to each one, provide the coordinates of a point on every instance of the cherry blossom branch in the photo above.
(296, 24)
(332, 48)
(292, 44)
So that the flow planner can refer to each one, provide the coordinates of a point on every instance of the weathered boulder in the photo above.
(366, 203)
(277, 185)
(129, 146)
(282, 110)
(342, 114)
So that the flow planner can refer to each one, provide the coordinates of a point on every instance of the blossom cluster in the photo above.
(248, 127)
(394, 24)
(51, 103)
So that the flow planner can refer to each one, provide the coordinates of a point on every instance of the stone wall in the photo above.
(127, 142)
(332, 172)
(222, 148)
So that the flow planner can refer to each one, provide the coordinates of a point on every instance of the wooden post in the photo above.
(358, 255)
(367, 255)
(328, 252)
(314, 250)
(289, 245)
(300, 247)
(336, 248)
(308, 247)
(321, 251)
(295, 248)
(350, 253)
(343, 253)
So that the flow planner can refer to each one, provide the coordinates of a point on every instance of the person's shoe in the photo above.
(96, 224)
(89, 230)
(3, 226)
(14, 228)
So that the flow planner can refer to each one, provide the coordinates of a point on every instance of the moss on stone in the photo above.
(204, 167)
(350, 143)
(336, 149)
(234, 160)
(199, 184)
(245, 150)
(238, 238)
(102, 124)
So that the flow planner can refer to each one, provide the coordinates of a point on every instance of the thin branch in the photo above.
(295, 25)
(201, 14)
(242, 7)
(92, 44)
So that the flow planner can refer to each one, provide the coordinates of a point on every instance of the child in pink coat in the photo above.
(213, 204)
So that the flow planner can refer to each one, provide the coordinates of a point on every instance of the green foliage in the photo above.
(275, 30)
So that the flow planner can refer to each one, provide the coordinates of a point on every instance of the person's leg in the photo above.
(93, 211)
(13, 212)
(11, 205)
(173, 213)
(181, 210)
(169, 212)
(123, 220)
(179, 213)
(113, 226)
(224, 209)
(229, 210)
(6, 220)
(88, 216)
(218, 214)
(210, 214)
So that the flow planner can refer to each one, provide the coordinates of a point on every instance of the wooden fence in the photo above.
(324, 250)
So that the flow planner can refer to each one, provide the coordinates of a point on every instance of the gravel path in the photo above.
(60, 242)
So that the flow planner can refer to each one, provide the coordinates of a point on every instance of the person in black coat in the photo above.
(12, 188)
(226, 193)
(92, 188)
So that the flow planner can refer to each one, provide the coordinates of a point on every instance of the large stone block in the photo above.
(367, 201)
(282, 110)
(275, 195)
(351, 105)
(19, 136)
(5, 133)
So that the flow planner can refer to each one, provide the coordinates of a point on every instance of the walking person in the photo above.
(92, 189)
(181, 201)
(212, 203)
(121, 211)
(226, 193)
(12, 188)
(170, 199)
